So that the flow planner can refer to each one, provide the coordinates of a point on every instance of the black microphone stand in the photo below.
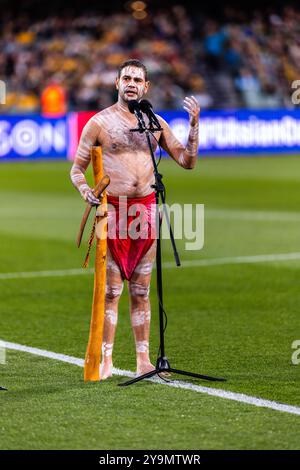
(162, 363)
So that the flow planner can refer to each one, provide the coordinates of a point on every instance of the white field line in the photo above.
(270, 258)
(260, 216)
(239, 397)
(50, 273)
(228, 214)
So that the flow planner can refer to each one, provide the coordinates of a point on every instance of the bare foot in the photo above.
(144, 367)
(105, 370)
(165, 374)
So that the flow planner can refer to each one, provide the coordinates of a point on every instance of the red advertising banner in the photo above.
(76, 123)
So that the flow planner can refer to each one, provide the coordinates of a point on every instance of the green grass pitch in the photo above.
(234, 320)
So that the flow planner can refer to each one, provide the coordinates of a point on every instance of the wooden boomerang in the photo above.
(99, 188)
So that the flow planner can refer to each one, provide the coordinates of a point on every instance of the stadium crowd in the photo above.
(241, 61)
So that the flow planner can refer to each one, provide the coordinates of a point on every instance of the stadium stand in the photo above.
(239, 61)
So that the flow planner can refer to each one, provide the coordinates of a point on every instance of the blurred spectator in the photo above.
(214, 43)
(198, 90)
(249, 86)
(53, 100)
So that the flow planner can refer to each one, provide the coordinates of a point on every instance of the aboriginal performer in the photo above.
(127, 161)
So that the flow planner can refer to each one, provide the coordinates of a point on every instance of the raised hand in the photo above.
(191, 105)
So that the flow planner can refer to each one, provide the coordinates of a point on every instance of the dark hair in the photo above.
(133, 63)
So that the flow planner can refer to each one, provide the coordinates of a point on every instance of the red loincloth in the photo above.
(127, 251)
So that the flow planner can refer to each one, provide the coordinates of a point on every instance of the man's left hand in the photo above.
(192, 106)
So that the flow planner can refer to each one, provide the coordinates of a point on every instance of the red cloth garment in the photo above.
(131, 230)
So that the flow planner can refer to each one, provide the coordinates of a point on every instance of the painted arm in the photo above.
(185, 156)
(82, 160)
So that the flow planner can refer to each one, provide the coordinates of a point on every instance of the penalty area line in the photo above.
(215, 392)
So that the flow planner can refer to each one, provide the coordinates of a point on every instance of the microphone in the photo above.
(134, 108)
(147, 108)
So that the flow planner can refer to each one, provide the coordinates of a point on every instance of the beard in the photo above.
(128, 95)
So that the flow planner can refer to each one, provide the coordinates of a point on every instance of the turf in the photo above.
(234, 320)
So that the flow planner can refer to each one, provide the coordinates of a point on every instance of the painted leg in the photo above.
(114, 287)
(140, 312)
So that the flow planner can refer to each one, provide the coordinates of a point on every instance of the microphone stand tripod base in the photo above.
(162, 365)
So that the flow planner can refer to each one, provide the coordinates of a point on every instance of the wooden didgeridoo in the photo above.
(93, 352)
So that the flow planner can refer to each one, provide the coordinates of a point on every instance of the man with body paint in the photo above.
(127, 161)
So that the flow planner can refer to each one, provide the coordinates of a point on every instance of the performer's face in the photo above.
(132, 84)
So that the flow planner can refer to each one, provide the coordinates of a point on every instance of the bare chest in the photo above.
(118, 138)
